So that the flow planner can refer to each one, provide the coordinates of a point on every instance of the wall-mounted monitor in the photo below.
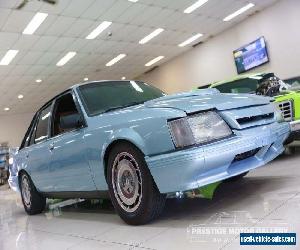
(251, 55)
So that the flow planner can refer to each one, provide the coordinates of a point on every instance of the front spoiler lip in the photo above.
(295, 126)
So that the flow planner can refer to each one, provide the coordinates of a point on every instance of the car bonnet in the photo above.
(206, 99)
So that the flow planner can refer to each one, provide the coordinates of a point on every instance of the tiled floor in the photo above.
(267, 199)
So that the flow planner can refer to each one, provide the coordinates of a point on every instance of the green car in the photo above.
(286, 95)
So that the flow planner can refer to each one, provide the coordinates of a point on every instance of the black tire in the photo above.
(290, 150)
(237, 178)
(34, 203)
(288, 141)
(150, 203)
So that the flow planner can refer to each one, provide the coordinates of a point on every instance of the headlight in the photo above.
(201, 128)
(278, 112)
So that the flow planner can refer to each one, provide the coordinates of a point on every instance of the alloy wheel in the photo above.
(26, 190)
(127, 182)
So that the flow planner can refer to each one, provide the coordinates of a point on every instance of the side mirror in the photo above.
(71, 121)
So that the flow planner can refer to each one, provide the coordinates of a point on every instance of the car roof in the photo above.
(76, 86)
(97, 81)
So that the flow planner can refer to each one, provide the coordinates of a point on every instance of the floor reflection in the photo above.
(267, 198)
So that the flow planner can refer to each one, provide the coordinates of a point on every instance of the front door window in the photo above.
(65, 115)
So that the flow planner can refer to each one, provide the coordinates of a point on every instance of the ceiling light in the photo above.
(155, 60)
(8, 57)
(133, 1)
(20, 96)
(123, 78)
(195, 6)
(35, 22)
(38, 80)
(85, 79)
(96, 32)
(190, 40)
(6, 109)
(238, 12)
(66, 58)
(115, 60)
(151, 35)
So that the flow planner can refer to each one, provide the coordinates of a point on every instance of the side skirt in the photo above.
(77, 194)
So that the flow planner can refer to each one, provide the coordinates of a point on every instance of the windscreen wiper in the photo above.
(122, 106)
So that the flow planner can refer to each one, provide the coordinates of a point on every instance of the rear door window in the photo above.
(27, 138)
(42, 128)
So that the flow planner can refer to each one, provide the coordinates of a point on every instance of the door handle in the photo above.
(51, 147)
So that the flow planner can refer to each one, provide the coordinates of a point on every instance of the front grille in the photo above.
(286, 108)
(245, 120)
(246, 155)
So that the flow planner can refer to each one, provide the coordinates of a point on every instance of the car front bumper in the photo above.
(198, 166)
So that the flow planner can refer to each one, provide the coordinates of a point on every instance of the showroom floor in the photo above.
(267, 199)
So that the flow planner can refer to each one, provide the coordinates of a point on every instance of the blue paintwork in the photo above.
(77, 161)
(198, 166)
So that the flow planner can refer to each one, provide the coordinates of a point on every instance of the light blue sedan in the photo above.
(129, 141)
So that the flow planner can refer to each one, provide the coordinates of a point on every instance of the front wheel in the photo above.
(33, 201)
(132, 189)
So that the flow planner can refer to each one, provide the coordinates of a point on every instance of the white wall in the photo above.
(13, 128)
(213, 60)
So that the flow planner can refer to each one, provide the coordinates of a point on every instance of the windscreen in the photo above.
(247, 85)
(100, 97)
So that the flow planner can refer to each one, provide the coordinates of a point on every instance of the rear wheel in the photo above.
(33, 201)
(132, 189)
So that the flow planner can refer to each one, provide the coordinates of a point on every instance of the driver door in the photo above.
(69, 168)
